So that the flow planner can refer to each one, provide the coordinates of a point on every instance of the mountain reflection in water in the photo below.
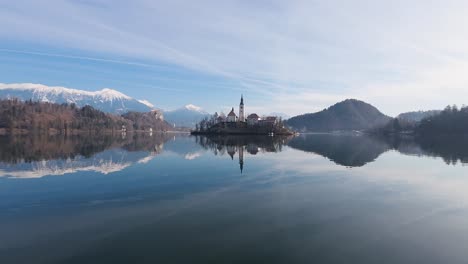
(358, 150)
(176, 198)
(38, 156)
(346, 150)
(42, 155)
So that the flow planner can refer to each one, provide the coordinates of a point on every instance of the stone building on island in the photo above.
(252, 119)
(253, 124)
(231, 117)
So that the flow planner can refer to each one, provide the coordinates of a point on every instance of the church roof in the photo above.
(232, 112)
(253, 116)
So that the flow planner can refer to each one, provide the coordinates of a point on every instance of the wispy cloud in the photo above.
(78, 57)
(294, 56)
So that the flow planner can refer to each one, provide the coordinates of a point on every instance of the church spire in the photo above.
(241, 109)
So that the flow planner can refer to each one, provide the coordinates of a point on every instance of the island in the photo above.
(232, 124)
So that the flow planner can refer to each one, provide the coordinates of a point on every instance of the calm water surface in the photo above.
(168, 198)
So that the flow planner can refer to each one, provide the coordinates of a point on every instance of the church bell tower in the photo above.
(241, 110)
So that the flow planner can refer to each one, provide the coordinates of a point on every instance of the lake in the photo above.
(175, 198)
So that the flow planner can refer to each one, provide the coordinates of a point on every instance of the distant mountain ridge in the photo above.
(347, 115)
(106, 100)
(417, 116)
(186, 116)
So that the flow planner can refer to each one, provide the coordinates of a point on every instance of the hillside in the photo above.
(30, 117)
(145, 121)
(348, 115)
(450, 121)
(417, 116)
(106, 100)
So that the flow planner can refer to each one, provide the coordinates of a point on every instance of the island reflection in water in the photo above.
(175, 198)
(350, 150)
(232, 145)
(37, 156)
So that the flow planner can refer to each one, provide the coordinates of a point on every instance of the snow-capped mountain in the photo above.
(106, 100)
(194, 108)
(186, 116)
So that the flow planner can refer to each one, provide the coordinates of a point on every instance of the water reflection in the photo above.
(38, 156)
(232, 145)
(358, 150)
(452, 149)
(172, 198)
(346, 150)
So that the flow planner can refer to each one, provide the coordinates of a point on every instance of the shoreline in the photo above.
(240, 133)
(74, 132)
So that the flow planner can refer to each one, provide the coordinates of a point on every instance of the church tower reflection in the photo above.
(241, 145)
(241, 158)
(231, 150)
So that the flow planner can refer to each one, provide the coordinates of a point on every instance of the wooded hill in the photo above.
(31, 117)
(348, 115)
(450, 121)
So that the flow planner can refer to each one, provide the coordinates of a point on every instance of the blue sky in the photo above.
(284, 56)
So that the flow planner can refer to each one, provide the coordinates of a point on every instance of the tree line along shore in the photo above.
(23, 117)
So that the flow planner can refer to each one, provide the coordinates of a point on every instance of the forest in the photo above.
(451, 121)
(35, 117)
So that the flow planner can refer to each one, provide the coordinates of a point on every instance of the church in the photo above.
(239, 123)
(232, 117)
(252, 119)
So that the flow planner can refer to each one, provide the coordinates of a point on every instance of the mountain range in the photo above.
(348, 115)
(186, 116)
(106, 100)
